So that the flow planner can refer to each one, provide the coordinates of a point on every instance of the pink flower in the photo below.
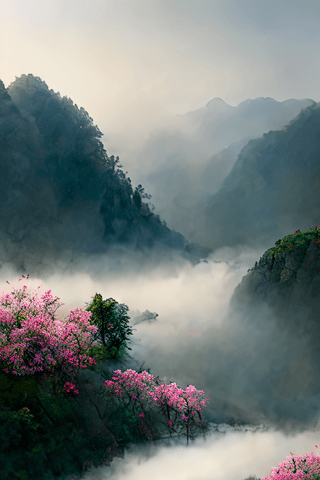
(32, 340)
(70, 388)
(166, 397)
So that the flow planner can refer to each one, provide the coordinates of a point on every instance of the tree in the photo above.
(138, 195)
(112, 321)
(112, 162)
(33, 342)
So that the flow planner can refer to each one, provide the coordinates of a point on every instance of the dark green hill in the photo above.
(287, 280)
(275, 313)
(59, 189)
(292, 265)
(273, 187)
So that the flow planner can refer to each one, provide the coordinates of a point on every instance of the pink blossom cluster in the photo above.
(297, 467)
(169, 398)
(33, 341)
(70, 388)
(140, 382)
(187, 400)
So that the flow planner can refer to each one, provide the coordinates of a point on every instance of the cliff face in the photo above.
(287, 279)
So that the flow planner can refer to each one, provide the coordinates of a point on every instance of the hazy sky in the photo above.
(131, 63)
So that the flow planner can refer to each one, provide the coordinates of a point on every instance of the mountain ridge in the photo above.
(265, 193)
(194, 162)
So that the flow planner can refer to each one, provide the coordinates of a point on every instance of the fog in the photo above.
(184, 164)
(135, 67)
(196, 339)
(132, 65)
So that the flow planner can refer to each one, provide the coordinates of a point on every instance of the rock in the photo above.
(287, 279)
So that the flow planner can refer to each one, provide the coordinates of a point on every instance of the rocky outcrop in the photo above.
(287, 279)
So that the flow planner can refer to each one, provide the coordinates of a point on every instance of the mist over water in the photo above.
(196, 339)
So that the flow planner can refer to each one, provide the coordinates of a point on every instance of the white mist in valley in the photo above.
(193, 340)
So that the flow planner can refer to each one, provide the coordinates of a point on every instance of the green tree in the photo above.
(113, 330)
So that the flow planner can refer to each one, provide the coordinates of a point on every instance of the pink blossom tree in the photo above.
(34, 342)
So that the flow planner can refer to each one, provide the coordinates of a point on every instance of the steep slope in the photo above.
(250, 118)
(287, 274)
(278, 302)
(60, 192)
(273, 187)
(181, 168)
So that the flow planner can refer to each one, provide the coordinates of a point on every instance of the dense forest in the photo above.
(59, 189)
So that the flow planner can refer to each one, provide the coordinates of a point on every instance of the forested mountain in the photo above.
(273, 188)
(183, 167)
(59, 189)
(273, 323)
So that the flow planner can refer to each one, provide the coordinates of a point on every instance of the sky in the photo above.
(135, 65)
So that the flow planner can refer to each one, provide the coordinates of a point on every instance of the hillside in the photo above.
(60, 191)
(287, 278)
(273, 187)
(278, 302)
(183, 167)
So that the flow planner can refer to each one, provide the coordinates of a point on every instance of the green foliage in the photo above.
(16, 390)
(127, 428)
(46, 439)
(298, 240)
(99, 353)
(113, 330)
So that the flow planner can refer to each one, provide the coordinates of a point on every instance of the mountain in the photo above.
(59, 190)
(217, 110)
(287, 278)
(279, 302)
(183, 167)
(273, 188)
(250, 118)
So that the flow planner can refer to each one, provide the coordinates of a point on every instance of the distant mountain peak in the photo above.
(217, 102)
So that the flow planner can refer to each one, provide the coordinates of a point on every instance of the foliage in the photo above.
(45, 439)
(113, 330)
(16, 390)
